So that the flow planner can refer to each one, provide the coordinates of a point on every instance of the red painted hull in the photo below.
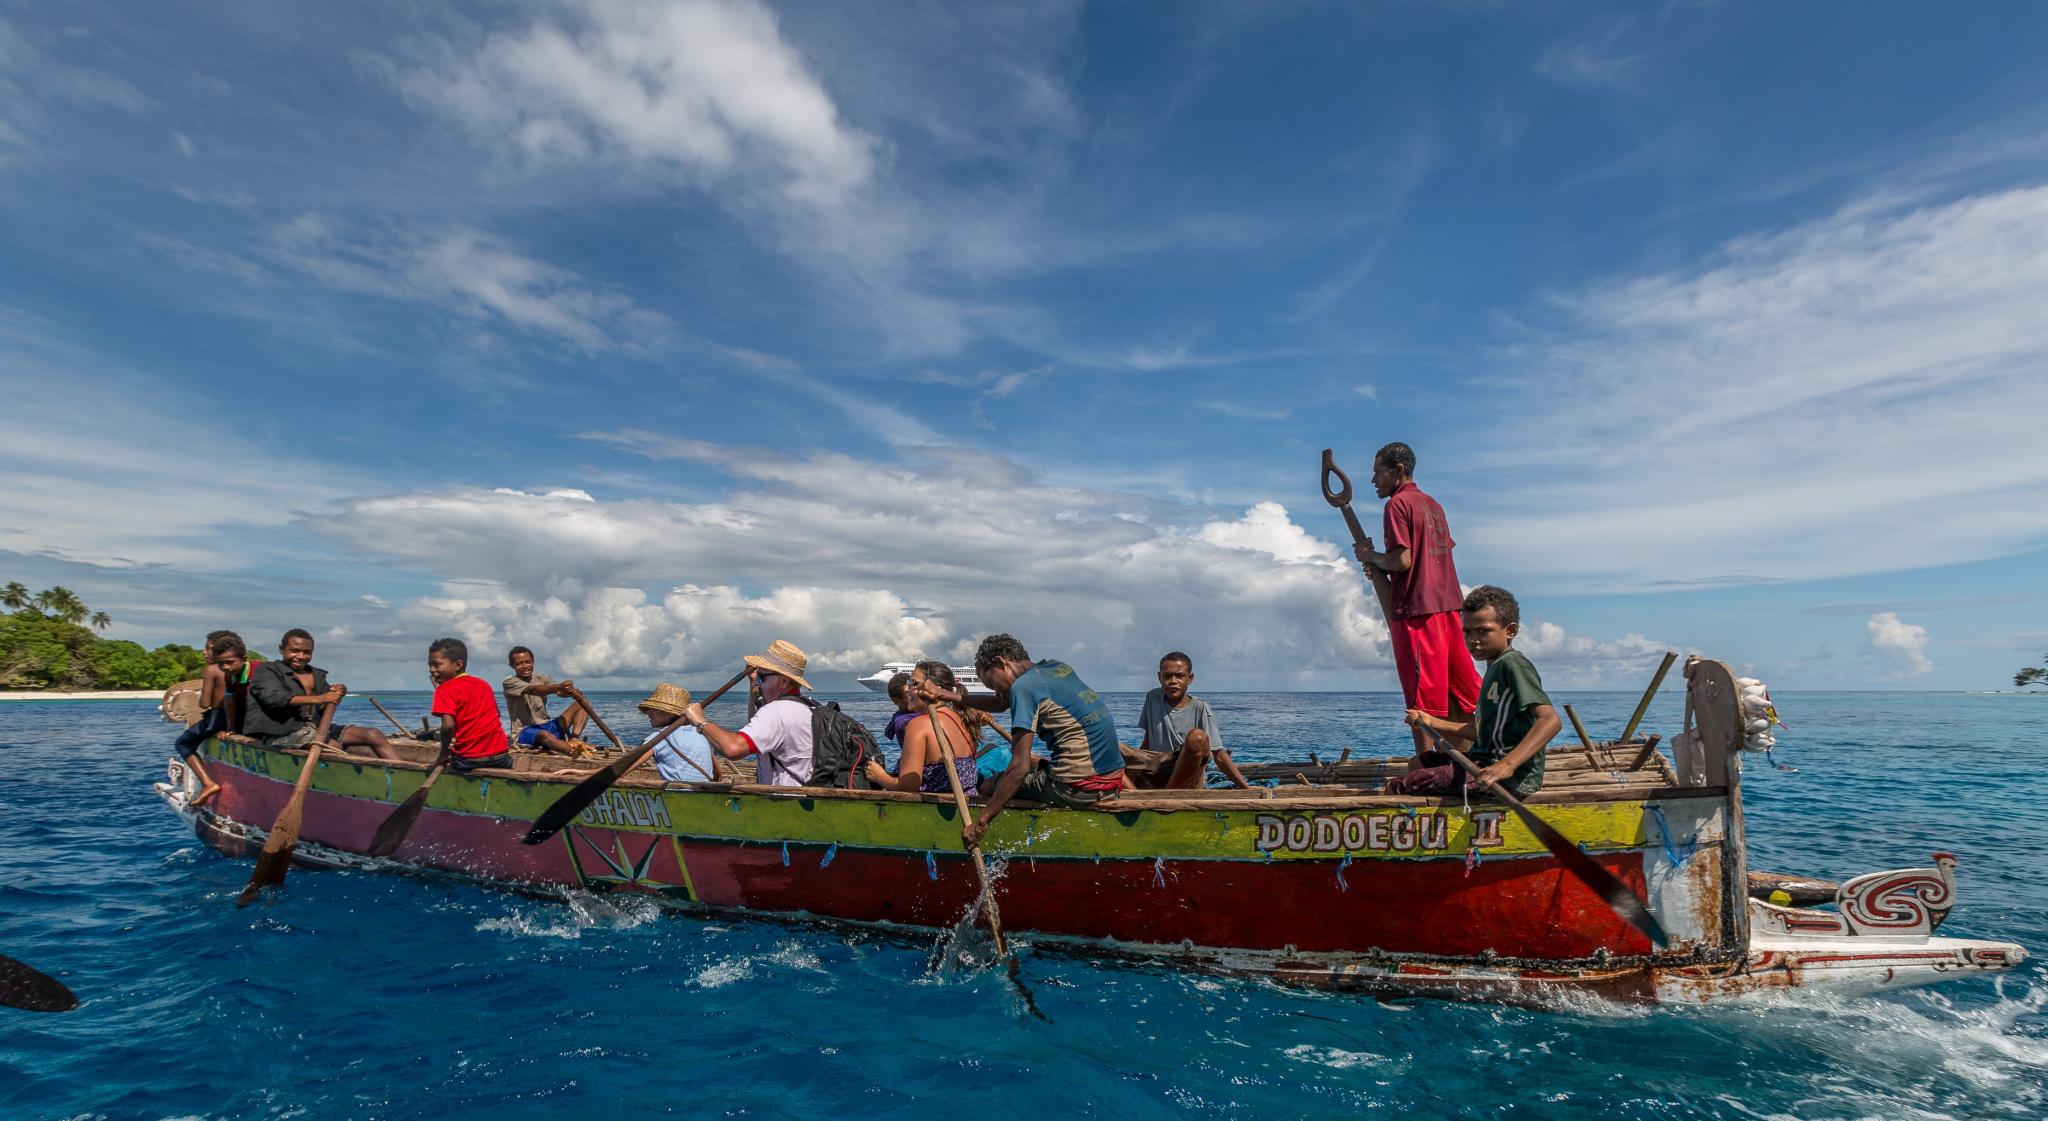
(1525, 908)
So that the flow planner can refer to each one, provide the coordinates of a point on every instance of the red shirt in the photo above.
(1413, 521)
(479, 730)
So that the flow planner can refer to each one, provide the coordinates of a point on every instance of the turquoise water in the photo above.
(355, 995)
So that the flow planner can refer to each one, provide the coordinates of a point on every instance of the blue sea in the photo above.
(376, 996)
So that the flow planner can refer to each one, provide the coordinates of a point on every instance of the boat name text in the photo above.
(1386, 832)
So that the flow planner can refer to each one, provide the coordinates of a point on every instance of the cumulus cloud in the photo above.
(1762, 417)
(1900, 645)
(861, 562)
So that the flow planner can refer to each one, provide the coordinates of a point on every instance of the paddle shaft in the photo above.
(1617, 894)
(402, 730)
(1382, 589)
(595, 718)
(591, 789)
(276, 857)
(1649, 694)
(988, 894)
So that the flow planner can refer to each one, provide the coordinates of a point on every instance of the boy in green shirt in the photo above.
(1515, 721)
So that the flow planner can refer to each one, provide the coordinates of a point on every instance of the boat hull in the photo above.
(1431, 899)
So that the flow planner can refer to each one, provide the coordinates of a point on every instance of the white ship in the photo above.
(962, 675)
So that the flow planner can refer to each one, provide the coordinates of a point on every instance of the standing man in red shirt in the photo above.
(1423, 600)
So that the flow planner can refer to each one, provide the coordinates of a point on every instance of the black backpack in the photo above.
(841, 748)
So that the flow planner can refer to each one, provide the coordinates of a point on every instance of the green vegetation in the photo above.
(2032, 675)
(45, 644)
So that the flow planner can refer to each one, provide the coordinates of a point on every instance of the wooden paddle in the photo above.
(1649, 694)
(25, 987)
(988, 895)
(1340, 497)
(591, 789)
(1575, 861)
(392, 833)
(988, 890)
(284, 832)
(402, 730)
(595, 718)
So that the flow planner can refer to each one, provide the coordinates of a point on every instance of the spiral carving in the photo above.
(1913, 899)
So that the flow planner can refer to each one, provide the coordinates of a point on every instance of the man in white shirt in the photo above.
(780, 731)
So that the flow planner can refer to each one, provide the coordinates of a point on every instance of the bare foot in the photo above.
(206, 794)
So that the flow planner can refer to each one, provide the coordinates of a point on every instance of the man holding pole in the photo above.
(1417, 585)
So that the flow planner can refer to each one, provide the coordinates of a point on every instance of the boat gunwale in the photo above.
(1311, 797)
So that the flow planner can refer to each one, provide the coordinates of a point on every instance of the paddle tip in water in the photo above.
(30, 989)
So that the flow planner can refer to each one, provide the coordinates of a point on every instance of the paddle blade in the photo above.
(1610, 888)
(276, 857)
(392, 833)
(580, 796)
(30, 989)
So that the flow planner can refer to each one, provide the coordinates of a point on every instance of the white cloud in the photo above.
(1786, 411)
(861, 561)
(471, 273)
(1900, 645)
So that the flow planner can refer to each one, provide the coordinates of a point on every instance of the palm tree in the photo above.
(63, 603)
(14, 596)
(101, 620)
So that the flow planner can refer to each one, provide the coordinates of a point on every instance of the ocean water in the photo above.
(376, 996)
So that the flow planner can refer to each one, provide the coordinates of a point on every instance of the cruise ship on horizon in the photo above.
(964, 675)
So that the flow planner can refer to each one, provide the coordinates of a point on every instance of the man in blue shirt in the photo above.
(1046, 701)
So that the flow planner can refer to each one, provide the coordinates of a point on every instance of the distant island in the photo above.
(2031, 675)
(47, 643)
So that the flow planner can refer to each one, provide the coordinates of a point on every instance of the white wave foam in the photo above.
(1335, 1058)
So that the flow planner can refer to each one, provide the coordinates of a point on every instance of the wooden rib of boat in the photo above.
(1319, 880)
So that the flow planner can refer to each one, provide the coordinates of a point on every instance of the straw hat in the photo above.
(670, 699)
(781, 658)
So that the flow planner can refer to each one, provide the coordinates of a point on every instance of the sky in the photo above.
(645, 333)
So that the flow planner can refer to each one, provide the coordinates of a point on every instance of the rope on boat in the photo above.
(1671, 852)
(1158, 871)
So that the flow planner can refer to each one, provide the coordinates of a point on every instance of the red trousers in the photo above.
(1436, 670)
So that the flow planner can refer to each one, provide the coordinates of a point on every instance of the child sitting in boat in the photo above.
(1180, 735)
(899, 692)
(223, 698)
(472, 734)
(934, 738)
(1515, 721)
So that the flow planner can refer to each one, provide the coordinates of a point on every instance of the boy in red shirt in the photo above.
(1423, 624)
(472, 732)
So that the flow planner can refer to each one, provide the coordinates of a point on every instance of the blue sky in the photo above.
(645, 333)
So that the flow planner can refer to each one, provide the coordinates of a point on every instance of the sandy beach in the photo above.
(106, 695)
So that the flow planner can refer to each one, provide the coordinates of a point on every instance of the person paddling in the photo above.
(1048, 701)
(1437, 674)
